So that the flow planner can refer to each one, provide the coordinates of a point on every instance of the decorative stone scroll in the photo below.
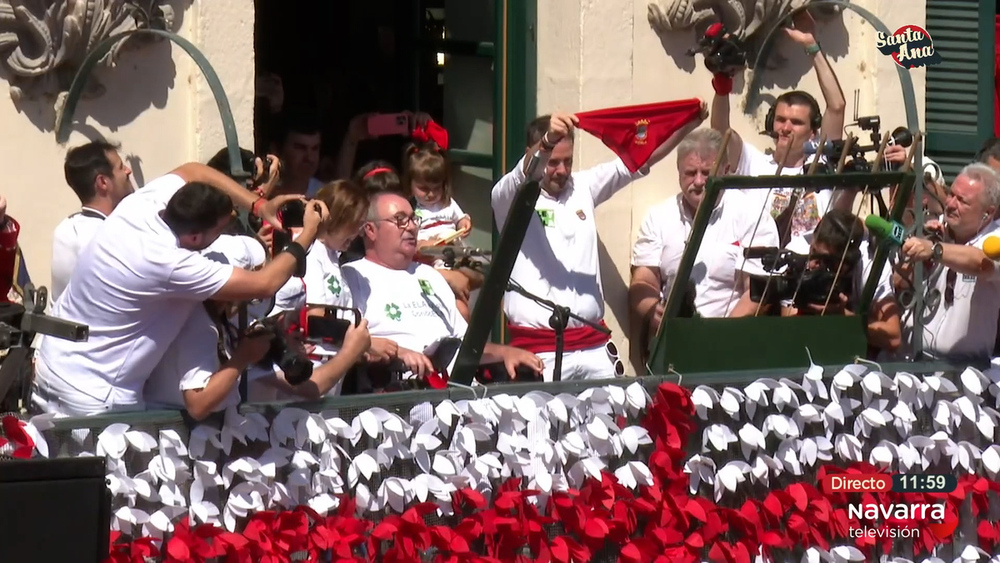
(43, 42)
(749, 19)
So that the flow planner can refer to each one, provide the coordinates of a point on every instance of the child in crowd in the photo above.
(427, 179)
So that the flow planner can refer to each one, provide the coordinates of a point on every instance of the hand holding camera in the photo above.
(267, 173)
(253, 347)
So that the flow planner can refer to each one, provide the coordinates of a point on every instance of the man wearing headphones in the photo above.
(795, 119)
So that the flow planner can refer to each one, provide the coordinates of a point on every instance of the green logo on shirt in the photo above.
(334, 285)
(425, 286)
(392, 311)
(547, 216)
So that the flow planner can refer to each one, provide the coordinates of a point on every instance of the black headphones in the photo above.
(815, 113)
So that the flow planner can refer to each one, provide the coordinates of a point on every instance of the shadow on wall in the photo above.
(142, 78)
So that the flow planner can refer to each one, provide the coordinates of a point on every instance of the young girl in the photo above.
(427, 178)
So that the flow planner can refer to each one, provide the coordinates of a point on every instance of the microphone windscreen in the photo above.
(883, 229)
(991, 247)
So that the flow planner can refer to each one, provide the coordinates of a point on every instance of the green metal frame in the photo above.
(691, 345)
(65, 119)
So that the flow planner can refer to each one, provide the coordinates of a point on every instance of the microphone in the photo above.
(991, 247)
(890, 230)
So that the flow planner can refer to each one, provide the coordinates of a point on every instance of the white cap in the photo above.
(240, 251)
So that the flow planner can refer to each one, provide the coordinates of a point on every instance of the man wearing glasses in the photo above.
(408, 302)
(961, 302)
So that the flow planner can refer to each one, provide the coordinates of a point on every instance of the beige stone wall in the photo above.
(603, 54)
(157, 106)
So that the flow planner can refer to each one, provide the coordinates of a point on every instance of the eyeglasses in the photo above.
(613, 355)
(402, 221)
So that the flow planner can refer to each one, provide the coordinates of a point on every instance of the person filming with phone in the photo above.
(143, 274)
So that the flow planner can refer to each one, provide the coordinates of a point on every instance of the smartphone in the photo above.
(332, 326)
(389, 124)
(292, 214)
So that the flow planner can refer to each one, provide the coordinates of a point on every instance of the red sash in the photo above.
(537, 340)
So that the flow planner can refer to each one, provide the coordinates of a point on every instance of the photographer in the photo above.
(140, 278)
(833, 263)
(793, 120)
(201, 368)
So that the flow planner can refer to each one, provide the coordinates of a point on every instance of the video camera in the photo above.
(723, 52)
(797, 282)
(856, 160)
(294, 364)
(18, 326)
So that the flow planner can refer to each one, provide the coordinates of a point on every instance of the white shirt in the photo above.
(438, 220)
(811, 206)
(414, 308)
(663, 238)
(135, 288)
(968, 328)
(883, 289)
(558, 259)
(325, 285)
(189, 362)
(72, 234)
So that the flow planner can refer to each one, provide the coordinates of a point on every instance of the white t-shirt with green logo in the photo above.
(325, 284)
(414, 307)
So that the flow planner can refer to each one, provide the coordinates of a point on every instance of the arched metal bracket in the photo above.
(65, 118)
(912, 123)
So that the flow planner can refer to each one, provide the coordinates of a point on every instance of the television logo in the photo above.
(910, 46)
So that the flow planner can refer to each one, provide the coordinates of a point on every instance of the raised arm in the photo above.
(242, 197)
(833, 116)
(719, 117)
(245, 285)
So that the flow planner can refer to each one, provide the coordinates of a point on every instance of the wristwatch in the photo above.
(937, 251)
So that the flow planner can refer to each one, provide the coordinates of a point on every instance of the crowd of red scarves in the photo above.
(659, 523)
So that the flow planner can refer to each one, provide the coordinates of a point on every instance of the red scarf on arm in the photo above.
(634, 132)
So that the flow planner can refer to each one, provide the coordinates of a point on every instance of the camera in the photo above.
(799, 283)
(856, 160)
(330, 328)
(723, 53)
(296, 367)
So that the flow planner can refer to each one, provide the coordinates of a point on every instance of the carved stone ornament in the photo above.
(749, 19)
(44, 42)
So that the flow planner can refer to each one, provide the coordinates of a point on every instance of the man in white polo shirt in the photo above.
(963, 325)
(558, 259)
(663, 235)
(140, 277)
(408, 302)
(99, 177)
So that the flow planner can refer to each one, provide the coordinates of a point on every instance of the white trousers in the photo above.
(591, 363)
